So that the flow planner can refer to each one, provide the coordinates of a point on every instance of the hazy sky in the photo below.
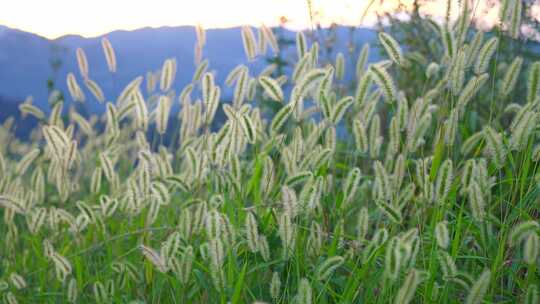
(54, 18)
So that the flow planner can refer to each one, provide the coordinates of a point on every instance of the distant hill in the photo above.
(10, 108)
(25, 57)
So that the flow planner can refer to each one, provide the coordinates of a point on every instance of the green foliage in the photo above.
(423, 187)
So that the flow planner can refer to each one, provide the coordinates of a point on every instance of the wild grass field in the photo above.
(417, 183)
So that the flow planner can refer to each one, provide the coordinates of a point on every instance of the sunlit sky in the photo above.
(55, 18)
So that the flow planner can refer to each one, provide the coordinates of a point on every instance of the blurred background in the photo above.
(38, 39)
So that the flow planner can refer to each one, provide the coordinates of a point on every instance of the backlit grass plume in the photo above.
(306, 174)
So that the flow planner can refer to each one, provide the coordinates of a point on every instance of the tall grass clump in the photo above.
(308, 191)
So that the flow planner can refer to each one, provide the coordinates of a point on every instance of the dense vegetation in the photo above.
(417, 183)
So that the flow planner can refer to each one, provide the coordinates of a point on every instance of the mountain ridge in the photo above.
(25, 57)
